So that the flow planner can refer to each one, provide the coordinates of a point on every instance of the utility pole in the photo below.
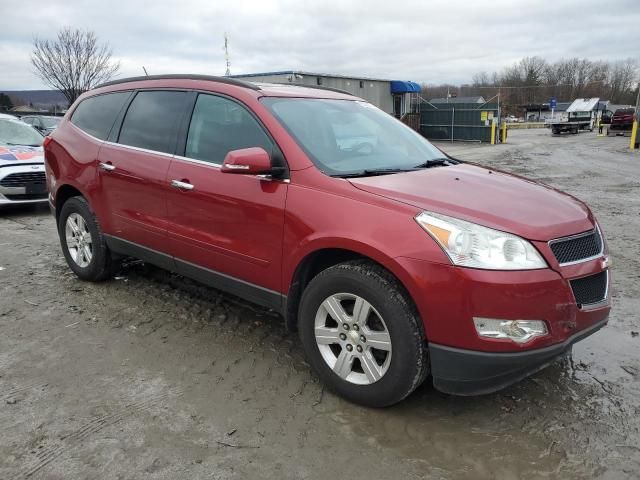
(226, 55)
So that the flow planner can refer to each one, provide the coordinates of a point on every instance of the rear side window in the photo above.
(152, 119)
(96, 115)
(219, 125)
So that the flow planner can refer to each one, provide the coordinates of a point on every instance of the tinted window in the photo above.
(219, 125)
(96, 115)
(152, 119)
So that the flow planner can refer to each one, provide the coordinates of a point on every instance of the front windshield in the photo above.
(345, 137)
(13, 132)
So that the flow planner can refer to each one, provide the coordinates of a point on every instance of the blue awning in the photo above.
(399, 86)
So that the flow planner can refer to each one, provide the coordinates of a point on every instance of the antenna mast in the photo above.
(226, 55)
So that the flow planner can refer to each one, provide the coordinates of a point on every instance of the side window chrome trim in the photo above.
(199, 162)
(139, 149)
(155, 152)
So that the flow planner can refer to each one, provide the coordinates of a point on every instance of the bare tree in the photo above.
(74, 62)
(535, 80)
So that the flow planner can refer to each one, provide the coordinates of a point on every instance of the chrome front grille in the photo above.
(577, 248)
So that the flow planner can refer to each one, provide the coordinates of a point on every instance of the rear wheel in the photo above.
(82, 242)
(362, 334)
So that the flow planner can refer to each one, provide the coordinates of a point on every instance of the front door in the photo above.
(226, 229)
(133, 171)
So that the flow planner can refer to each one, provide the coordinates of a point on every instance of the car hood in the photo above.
(494, 199)
(15, 154)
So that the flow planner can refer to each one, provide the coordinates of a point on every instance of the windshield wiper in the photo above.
(22, 144)
(434, 162)
(370, 172)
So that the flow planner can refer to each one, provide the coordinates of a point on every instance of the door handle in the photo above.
(181, 185)
(107, 167)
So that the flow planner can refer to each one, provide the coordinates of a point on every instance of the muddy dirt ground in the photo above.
(152, 376)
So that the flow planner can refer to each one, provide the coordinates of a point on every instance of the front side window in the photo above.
(219, 125)
(96, 115)
(346, 137)
(152, 120)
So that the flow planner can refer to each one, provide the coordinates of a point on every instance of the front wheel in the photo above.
(82, 242)
(362, 335)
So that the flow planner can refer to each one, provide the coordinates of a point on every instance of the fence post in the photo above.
(453, 116)
(634, 134)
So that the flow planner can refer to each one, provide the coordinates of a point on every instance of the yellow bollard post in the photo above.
(493, 133)
(504, 132)
(634, 135)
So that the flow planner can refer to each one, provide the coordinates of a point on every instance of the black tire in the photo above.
(101, 266)
(408, 366)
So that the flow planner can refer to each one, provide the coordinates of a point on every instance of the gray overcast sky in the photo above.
(425, 41)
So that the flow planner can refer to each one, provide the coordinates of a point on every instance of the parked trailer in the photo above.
(581, 116)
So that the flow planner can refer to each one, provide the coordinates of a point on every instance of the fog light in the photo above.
(519, 331)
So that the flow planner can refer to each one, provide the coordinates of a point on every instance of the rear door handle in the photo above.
(107, 167)
(181, 185)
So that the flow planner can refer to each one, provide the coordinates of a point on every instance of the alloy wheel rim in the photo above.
(353, 338)
(79, 242)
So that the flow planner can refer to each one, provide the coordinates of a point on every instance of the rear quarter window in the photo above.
(96, 115)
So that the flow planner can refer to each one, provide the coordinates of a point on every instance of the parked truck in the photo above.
(581, 115)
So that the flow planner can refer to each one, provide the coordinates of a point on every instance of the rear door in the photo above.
(133, 170)
(226, 229)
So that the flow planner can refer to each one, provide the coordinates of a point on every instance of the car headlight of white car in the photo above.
(470, 245)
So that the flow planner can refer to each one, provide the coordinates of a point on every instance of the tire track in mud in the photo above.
(5, 395)
(49, 454)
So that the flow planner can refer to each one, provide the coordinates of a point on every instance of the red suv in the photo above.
(622, 119)
(393, 260)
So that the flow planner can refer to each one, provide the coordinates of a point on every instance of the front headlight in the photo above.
(471, 245)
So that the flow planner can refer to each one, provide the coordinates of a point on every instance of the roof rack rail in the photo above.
(316, 87)
(173, 76)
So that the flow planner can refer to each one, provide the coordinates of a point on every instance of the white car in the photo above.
(22, 177)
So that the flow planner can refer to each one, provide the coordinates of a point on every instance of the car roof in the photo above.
(194, 81)
(8, 117)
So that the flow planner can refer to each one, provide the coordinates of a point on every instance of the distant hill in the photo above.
(39, 98)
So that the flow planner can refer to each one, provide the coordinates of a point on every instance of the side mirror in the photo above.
(251, 161)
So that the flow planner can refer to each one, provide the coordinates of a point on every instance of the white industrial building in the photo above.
(392, 96)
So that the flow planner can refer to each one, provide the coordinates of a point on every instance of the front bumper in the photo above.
(22, 184)
(449, 297)
(467, 372)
